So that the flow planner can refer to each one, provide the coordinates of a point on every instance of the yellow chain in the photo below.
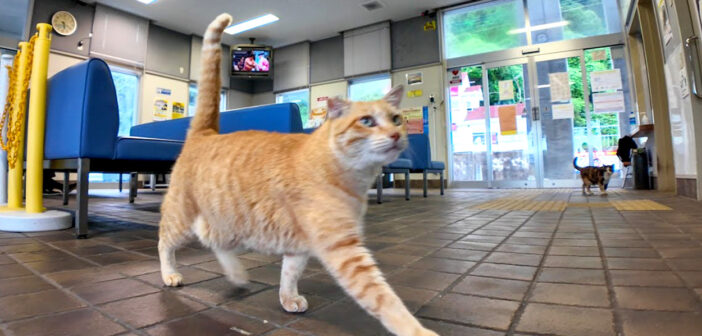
(15, 119)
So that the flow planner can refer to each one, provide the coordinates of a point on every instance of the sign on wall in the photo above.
(417, 119)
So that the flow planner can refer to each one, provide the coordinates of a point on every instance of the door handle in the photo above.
(535, 112)
(692, 62)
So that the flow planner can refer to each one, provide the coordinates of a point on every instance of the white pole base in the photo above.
(21, 221)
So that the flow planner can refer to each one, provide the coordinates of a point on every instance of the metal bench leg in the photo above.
(133, 182)
(407, 186)
(424, 178)
(152, 182)
(120, 182)
(81, 221)
(379, 188)
(441, 179)
(66, 188)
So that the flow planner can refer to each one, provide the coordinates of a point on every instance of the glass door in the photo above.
(542, 112)
(512, 161)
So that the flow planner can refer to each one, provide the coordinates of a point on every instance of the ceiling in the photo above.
(300, 20)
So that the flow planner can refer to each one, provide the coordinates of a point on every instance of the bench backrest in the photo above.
(419, 151)
(82, 116)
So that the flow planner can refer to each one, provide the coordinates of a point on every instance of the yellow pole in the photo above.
(14, 177)
(37, 120)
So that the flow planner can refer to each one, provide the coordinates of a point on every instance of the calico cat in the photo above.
(594, 175)
(252, 190)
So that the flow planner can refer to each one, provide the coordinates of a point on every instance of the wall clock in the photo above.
(64, 23)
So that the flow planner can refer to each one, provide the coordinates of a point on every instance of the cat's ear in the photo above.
(394, 97)
(337, 107)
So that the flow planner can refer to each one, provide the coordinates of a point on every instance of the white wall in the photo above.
(431, 85)
(237, 99)
(262, 98)
(58, 62)
(149, 84)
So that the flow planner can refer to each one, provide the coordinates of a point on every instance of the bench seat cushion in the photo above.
(137, 148)
(437, 165)
(401, 164)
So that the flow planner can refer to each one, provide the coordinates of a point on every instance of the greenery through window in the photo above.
(299, 97)
(367, 89)
(499, 25)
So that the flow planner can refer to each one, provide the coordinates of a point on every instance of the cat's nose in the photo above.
(395, 136)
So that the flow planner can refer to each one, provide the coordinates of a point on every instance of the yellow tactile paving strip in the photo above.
(522, 203)
(511, 204)
(638, 205)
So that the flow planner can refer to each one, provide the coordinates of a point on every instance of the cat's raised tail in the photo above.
(206, 117)
(575, 164)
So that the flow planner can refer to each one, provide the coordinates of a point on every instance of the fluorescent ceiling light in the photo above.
(251, 24)
(539, 27)
(148, 2)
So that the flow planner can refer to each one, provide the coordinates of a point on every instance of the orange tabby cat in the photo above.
(254, 190)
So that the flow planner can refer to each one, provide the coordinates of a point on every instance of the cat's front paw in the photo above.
(172, 280)
(426, 332)
(294, 304)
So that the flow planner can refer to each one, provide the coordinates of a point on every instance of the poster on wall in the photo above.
(506, 90)
(508, 119)
(414, 118)
(161, 111)
(455, 78)
(606, 80)
(318, 113)
(562, 111)
(560, 86)
(178, 110)
(414, 78)
(608, 102)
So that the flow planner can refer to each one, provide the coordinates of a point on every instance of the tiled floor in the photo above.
(588, 269)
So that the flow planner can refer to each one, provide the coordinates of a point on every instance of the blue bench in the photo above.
(419, 152)
(82, 119)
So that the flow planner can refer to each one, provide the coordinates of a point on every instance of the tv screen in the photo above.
(251, 61)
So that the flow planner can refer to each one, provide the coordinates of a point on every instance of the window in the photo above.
(571, 19)
(192, 99)
(127, 90)
(483, 28)
(302, 99)
(501, 24)
(369, 88)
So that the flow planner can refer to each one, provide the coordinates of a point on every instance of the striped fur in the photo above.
(295, 195)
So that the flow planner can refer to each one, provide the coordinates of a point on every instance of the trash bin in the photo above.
(640, 163)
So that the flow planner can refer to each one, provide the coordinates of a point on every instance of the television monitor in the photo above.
(252, 60)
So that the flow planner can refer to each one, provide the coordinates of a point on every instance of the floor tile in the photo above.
(39, 303)
(112, 290)
(219, 290)
(450, 329)
(343, 318)
(153, 308)
(22, 285)
(514, 258)
(212, 322)
(191, 275)
(13, 271)
(645, 278)
(650, 298)
(492, 287)
(572, 275)
(432, 280)
(564, 320)
(641, 264)
(570, 294)
(83, 276)
(484, 312)
(443, 265)
(646, 323)
(505, 271)
(573, 262)
(80, 321)
(459, 254)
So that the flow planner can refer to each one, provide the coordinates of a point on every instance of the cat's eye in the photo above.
(397, 120)
(367, 121)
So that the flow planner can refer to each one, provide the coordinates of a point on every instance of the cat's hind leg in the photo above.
(233, 269)
(290, 299)
(172, 234)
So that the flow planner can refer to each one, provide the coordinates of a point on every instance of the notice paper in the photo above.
(560, 86)
(606, 80)
(506, 90)
(562, 111)
(610, 102)
(508, 119)
(414, 117)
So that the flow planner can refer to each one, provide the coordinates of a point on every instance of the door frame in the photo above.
(533, 103)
